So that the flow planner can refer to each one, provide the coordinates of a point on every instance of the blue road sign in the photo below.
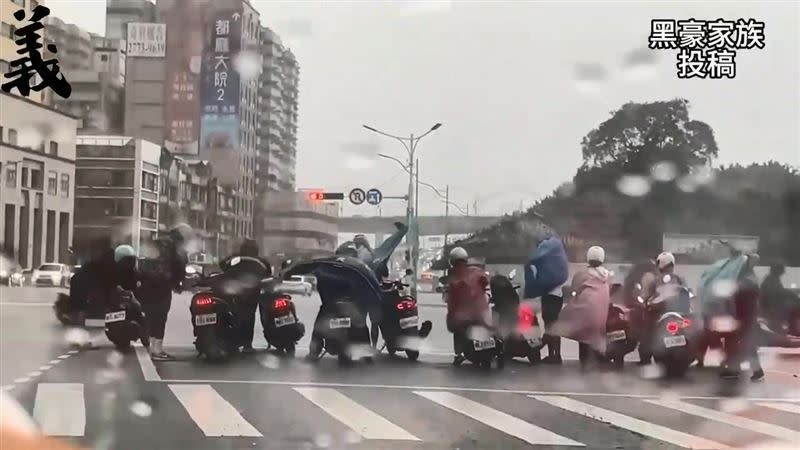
(374, 196)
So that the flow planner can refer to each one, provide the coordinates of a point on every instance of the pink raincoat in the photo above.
(584, 315)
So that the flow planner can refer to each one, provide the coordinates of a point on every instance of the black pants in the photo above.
(246, 314)
(551, 308)
(586, 354)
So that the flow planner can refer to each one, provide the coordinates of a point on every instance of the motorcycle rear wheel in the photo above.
(413, 355)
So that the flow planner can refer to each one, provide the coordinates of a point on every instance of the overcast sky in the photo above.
(516, 85)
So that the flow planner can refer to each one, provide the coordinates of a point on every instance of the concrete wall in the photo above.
(691, 273)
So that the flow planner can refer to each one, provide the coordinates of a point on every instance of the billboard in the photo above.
(219, 115)
(147, 40)
(185, 21)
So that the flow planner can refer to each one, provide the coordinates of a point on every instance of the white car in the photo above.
(296, 285)
(51, 274)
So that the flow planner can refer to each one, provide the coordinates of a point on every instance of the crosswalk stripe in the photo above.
(60, 409)
(629, 423)
(355, 416)
(782, 406)
(212, 413)
(497, 419)
(730, 419)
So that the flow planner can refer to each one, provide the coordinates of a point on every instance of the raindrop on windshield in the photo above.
(734, 405)
(664, 171)
(247, 64)
(323, 440)
(270, 361)
(724, 288)
(114, 359)
(651, 372)
(141, 408)
(633, 185)
(77, 336)
(351, 437)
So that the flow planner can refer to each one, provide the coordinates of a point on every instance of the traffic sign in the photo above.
(357, 196)
(374, 196)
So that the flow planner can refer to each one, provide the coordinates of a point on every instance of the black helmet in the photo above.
(181, 232)
(249, 247)
(347, 249)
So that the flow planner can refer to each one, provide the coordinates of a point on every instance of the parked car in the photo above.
(51, 274)
(297, 284)
(21, 277)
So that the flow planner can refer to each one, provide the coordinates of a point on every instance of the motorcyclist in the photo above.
(127, 283)
(547, 269)
(331, 288)
(745, 345)
(363, 249)
(246, 309)
(775, 298)
(651, 286)
(465, 298)
(93, 279)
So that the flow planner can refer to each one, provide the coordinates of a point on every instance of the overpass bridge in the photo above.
(428, 225)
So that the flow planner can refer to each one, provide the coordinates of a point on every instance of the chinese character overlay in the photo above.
(23, 69)
(706, 48)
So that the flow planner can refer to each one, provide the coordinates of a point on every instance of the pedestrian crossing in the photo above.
(420, 415)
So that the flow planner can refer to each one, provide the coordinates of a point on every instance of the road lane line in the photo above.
(72, 352)
(54, 361)
(787, 407)
(148, 368)
(497, 419)
(730, 419)
(22, 380)
(45, 367)
(64, 356)
(35, 374)
(212, 413)
(355, 416)
(60, 409)
(464, 389)
(629, 423)
(25, 304)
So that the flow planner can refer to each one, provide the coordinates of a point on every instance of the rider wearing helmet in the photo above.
(465, 297)
(246, 310)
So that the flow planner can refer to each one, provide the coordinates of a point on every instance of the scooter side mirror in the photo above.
(512, 274)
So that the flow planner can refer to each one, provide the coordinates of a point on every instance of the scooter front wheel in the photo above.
(413, 355)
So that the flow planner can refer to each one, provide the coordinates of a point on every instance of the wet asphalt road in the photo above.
(101, 399)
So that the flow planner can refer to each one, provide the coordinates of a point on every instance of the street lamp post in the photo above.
(410, 144)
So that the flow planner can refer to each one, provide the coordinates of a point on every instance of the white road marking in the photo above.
(35, 374)
(25, 304)
(148, 368)
(54, 361)
(9, 387)
(355, 416)
(64, 356)
(45, 367)
(22, 380)
(730, 419)
(72, 352)
(60, 409)
(498, 420)
(629, 423)
(787, 407)
(212, 413)
(464, 389)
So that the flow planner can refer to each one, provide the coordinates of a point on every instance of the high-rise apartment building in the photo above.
(119, 13)
(8, 48)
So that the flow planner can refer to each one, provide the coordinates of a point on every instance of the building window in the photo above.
(122, 207)
(12, 136)
(65, 185)
(11, 175)
(54, 148)
(104, 58)
(149, 210)
(52, 182)
(149, 181)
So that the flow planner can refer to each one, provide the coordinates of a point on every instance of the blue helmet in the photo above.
(123, 251)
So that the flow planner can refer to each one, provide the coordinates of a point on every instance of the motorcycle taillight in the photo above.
(280, 303)
(406, 304)
(672, 327)
(687, 323)
(201, 300)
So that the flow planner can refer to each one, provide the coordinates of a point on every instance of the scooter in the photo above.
(124, 321)
(521, 331)
(282, 328)
(481, 345)
(673, 334)
(342, 325)
(621, 335)
(400, 321)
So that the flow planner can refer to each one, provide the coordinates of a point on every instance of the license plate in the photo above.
(341, 322)
(614, 336)
(284, 320)
(483, 345)
(409, 322)
(205, 319)
(674, 341)
(116, 316)
(533, 342)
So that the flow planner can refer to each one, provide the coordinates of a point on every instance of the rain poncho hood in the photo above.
(713, 281)
(341, 276)
(547, 268)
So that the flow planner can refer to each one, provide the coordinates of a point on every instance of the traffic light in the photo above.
(318, 196)
(315, 196)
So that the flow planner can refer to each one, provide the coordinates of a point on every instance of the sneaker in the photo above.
(757, 376)
(552, 359)
(162, 356)
(458, 359)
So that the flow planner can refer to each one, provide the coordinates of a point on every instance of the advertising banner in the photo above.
(185, 21)
(219, 116)
(147, 40)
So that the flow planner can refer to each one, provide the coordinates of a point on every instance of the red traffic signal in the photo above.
(316, 196)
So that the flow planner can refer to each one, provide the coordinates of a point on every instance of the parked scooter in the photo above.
(518, 323)
(124, 321)
(621, 335)
(399, 325)
(216, 328)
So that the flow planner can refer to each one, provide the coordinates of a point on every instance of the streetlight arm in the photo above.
(457, 207)
(437, 191)
(402, 140)
(433, 128)
(402, 164)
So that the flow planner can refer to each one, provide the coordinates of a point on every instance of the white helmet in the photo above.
(665, 259)
(596, 253)
(458, 254)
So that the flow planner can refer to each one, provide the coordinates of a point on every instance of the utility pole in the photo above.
(446, 213)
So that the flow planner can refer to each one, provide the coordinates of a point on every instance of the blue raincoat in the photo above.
(547, 268)
(715, 282)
